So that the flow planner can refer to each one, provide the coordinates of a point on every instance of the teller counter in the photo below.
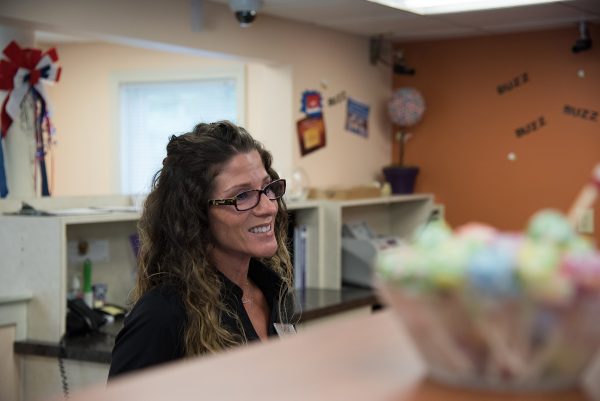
(361, 358)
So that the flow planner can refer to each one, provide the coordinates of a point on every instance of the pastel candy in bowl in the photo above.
(495, 310)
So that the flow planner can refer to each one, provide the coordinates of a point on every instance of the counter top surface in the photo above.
(312, 304)
(365, 357)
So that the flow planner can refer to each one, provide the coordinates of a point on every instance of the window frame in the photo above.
(236, 73)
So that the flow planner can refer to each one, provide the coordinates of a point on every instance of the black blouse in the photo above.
(153, 331)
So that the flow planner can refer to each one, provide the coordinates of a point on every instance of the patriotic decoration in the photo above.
(406, 107)
(21, 74)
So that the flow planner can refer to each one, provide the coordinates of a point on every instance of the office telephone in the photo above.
(81, 319)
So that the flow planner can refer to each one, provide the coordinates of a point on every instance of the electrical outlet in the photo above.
(97, 250)
(586, 222)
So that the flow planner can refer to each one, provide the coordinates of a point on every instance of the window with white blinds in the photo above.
(150, 112)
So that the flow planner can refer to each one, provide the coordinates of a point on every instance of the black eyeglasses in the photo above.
(248, 199)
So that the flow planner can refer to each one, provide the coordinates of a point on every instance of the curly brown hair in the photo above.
(175, 237)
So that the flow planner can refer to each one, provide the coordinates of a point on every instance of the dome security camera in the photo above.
(245, 10)
(584, 42)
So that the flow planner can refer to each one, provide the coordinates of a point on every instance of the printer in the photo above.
(360, 246)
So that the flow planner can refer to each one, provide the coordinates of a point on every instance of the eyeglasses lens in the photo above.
(249, 199)
(275, 190)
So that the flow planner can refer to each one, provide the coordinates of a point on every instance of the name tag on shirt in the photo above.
(284, 329)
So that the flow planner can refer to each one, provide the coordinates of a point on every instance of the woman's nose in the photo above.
(266, 205)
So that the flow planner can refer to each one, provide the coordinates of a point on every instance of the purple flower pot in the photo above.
(401, 178)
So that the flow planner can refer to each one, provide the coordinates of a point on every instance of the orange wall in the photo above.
(468, 129)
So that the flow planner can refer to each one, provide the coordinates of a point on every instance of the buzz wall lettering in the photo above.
(530, 127)
(584, 114)
(513, 83)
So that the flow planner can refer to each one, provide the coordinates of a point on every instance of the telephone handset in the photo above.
(81, 319)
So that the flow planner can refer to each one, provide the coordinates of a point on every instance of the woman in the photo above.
(214, 270)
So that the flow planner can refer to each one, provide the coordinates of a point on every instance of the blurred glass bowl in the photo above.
(297, 185)
(515, 344)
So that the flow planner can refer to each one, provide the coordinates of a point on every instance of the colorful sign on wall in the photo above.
(311, 129)
(357, 117)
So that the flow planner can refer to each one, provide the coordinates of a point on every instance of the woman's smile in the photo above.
(264, 229)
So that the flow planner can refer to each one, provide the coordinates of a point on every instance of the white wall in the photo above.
(306, 53)
(86, 158)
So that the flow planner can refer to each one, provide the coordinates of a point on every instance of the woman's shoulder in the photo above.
(161, 294)
(152, 332)
(159, 303)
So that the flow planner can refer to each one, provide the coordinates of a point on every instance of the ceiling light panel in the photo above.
(425, 7)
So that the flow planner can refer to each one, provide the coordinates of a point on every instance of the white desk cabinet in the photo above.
(35, 258)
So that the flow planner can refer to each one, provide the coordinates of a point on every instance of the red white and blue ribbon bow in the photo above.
(22, 72)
